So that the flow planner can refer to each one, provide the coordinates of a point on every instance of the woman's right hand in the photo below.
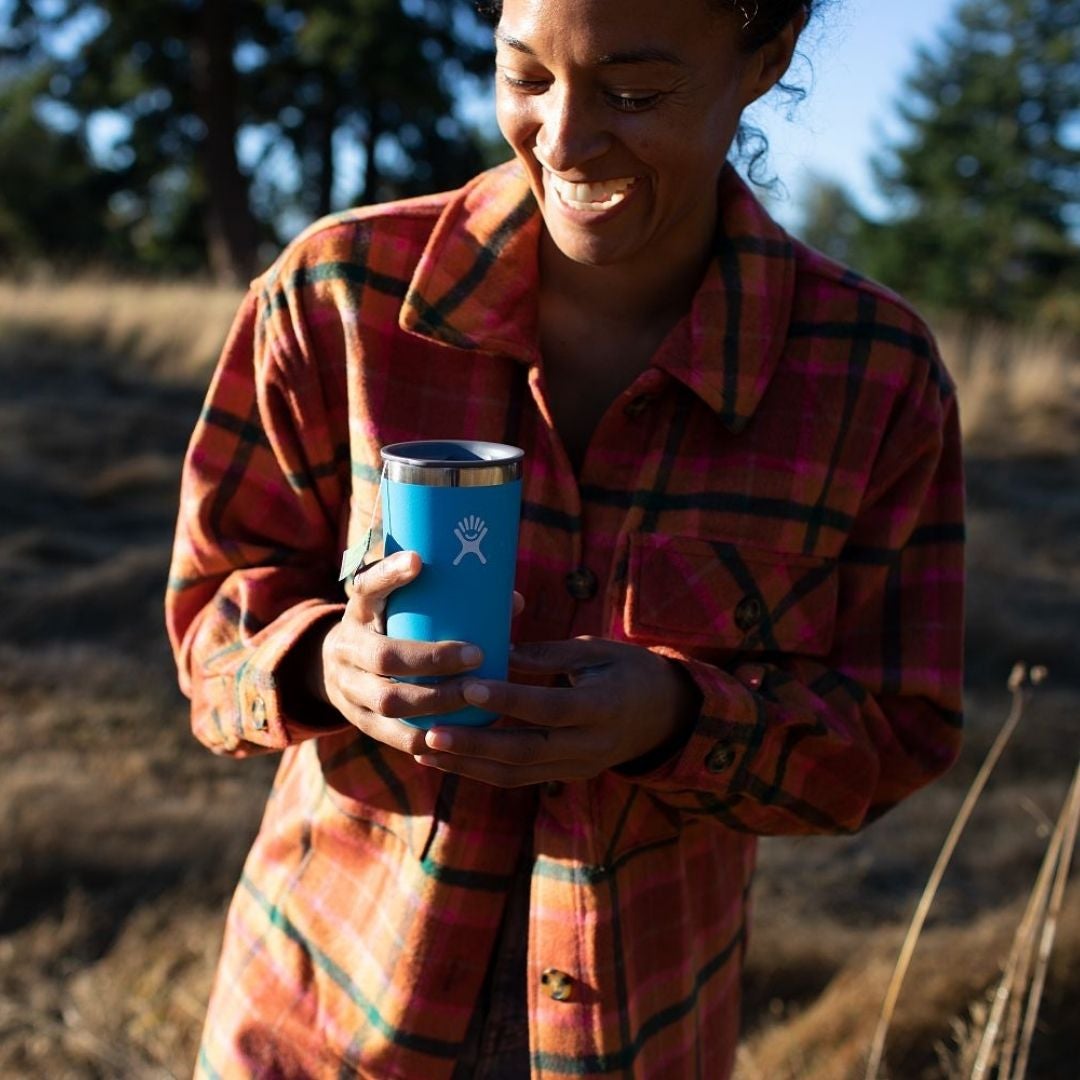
(355, 668)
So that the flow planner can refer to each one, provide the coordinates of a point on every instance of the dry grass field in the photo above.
(120, 837)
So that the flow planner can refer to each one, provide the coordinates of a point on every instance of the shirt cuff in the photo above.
(728, 728)
(257, 706)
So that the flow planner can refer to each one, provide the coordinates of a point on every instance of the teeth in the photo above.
(599, 196)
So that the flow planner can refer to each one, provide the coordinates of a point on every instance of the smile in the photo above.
(596, 197)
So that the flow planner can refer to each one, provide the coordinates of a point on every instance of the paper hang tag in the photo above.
(354, 557)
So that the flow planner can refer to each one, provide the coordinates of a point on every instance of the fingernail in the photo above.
(476, 693)
(471, 656)
(424, 759)
(439, 740)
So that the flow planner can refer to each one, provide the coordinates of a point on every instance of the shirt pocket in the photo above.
(729, 598)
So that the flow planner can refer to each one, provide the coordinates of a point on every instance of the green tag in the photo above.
(354, 557)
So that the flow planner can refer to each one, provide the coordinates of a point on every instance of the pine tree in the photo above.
(182, 84)
(987, 180)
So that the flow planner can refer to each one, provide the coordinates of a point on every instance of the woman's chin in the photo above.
(587, 249)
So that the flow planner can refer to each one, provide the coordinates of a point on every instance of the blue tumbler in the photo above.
(458, 504)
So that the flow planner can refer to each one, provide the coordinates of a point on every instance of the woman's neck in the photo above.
(647, 292)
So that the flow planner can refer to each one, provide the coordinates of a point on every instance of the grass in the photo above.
(171, 330)
(1016, 376)
(1023, 379)
(1018, 689)
(992, 1039)
(120, 838)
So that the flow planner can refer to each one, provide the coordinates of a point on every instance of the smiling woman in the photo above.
(739, 575)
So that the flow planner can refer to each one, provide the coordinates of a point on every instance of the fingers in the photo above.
(514, 756)
(517, 603)
(560, 657)
(364, 692)
(520, 746)
(378, 581)
(499, 775)
(542, 705)
(398, 658)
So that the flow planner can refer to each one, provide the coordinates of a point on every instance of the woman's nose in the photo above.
(570, 133)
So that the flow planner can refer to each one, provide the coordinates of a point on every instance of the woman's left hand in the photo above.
(622, 702)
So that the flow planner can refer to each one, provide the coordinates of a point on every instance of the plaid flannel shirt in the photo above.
(775, 503)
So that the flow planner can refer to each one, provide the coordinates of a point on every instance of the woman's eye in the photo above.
(632, 102)
(529, 86)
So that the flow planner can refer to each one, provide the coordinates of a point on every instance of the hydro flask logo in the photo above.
(470, 532)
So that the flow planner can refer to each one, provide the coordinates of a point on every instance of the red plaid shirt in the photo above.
(776, 502)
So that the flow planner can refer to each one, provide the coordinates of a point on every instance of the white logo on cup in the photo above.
(470, 532)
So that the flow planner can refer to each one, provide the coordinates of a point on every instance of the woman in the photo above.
(740, 563)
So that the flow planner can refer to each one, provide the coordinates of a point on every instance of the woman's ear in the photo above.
(769, 61)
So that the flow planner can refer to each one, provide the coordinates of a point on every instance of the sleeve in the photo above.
(264, 486)
(795, 744)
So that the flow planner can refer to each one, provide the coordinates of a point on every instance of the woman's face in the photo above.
(622, 113)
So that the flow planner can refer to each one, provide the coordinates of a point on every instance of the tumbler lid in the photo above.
(452, 463)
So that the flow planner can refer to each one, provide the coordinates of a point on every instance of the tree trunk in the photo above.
(371, 168)
(231, 230)
(326, 121)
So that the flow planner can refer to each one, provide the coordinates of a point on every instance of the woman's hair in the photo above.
(761, 21)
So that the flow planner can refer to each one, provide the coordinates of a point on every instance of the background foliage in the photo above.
(186, 135)
(986, 179)
(174, 89)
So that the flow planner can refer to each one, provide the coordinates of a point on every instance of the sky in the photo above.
(859, 54)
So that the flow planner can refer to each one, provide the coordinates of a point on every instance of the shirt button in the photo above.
(749, 612)
(720, 757)
(557, 984)
(636, 406)
(554, 788)
(258, 714)
(581, 583)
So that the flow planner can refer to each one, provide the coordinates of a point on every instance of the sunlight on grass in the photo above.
(173, 330)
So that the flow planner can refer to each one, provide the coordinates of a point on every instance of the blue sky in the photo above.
(859, 54)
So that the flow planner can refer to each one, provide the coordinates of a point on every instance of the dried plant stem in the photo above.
(1017, 685)
(1070, 816)
(1014, 976)
(1027, 940)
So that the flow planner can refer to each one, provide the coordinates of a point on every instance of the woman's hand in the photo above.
(355, 667)
(622, 702)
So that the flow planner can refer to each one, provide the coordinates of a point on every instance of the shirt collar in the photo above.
(476, 282)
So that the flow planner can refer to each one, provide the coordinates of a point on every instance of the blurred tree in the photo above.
(831, 221)
(39, 161)
(987, 181)
(180, 86)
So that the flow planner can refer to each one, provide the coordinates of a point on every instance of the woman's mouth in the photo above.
(592, 198)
